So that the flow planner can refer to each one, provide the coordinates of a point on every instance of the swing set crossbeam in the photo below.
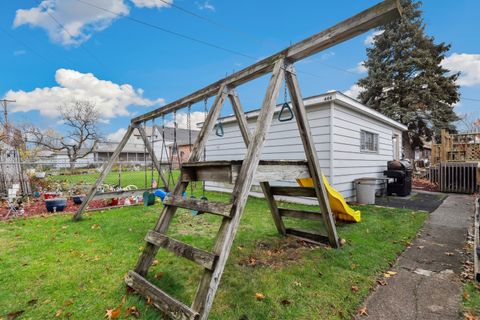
(345, 30)
(243, 173)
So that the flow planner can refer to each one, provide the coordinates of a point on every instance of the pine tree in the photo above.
(406, 81)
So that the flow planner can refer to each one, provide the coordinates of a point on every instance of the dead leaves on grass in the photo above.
(362, 311)
(468, 315)
(259, 296)
(15, 314)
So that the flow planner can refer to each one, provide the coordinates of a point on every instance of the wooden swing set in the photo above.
(241, 173)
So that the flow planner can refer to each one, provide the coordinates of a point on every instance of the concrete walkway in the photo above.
(427, 284)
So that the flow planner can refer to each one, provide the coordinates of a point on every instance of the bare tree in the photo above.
(82, 136)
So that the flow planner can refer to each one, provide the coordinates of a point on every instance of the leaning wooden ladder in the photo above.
(243, 173)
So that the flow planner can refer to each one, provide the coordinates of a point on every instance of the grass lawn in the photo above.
(54, 267)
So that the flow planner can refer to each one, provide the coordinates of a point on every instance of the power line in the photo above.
(213, 22)
(71, 36)
(181, 35)
(470, 99)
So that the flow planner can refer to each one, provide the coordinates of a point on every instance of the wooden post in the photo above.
(153, 156)
(168, 212)
(243, 124)
(311, 154)
(105, 171)
(211, 279)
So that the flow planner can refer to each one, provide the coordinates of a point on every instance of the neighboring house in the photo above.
(352, 141)
(134, 151)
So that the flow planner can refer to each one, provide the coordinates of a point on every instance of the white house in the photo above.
(352, 141)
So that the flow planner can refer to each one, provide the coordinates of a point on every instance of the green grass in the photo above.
(136, 178)
(471, 298)
(78, 268)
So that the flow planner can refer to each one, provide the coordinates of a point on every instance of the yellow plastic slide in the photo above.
(339, 207)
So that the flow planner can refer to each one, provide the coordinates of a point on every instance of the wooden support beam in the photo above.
(308, 236)
(300, 214)
(105, 171)
(181, 249)
(272, 205)
(371, 18)
(211, 279)
(145, 260)
(172, 307)
(240, 115)
(217, 208)
(311, 154)
(293, 191)
(151, 152)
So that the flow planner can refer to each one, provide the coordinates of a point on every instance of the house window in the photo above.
(368, 141)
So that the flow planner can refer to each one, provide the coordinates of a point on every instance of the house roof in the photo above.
(326, 98)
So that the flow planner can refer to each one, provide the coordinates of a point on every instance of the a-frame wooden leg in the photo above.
(211, 278)
(311, 154)
(243, 125)
(105, 171)
(163, 223)
(151, 152)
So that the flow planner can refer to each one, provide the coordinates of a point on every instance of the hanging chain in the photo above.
(285, 92)
(205, 111)
(189, 126)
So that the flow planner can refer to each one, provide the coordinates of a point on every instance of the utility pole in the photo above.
(5, 103)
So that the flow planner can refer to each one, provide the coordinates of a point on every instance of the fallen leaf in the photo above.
(95, 226)
(354, 289)
(68, 302)
(132, 311)
(113, 313)
(14, 314)
(149, 300)
(466, 295)
(159, 275)
(362, 311)
(297, 283)
(285, 302)
(392, 273)
(155, 262)
(386, 275)
(68, 314)
(343, 242)
(449, 253)
(259, 296)
(420, 247)
(381, 282)
(469, 316)
(32, 302)
(58, 314)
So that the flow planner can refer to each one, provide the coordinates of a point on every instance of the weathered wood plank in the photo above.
(347, 29)
(284, 172)
(240, 115)
(151, 152)
(300, 214)
(293, 191)
(163, 223)
(161, 300)
(181, 249)
(218, 208)
(120, 194)
(220, 173)
(223, 244)
(272, 205)
(311, 154)
(105, 171)
(308, 236)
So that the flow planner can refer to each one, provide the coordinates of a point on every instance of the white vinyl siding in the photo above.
(336, 131)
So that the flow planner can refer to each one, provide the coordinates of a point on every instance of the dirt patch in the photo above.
(276, 253)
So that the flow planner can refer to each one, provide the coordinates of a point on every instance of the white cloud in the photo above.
(110, 98)
(369, 40)
(360, 68)
(117, 135)
(354, 91)
(152, 3)
(196, 117)
(206, 6)
(79, 20)
(467, 64)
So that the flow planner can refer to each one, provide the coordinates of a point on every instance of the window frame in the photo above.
(363, 142)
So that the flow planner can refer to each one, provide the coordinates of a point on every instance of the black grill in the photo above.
(401, 173)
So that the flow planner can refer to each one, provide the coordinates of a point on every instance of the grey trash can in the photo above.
(366, 190)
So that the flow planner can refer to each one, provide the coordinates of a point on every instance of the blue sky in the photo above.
(127, 68)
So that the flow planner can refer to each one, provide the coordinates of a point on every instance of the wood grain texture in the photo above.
(172, 307)
(309, 236)
(272, 205)
(218, 208)
(181, 249)
(300, 113)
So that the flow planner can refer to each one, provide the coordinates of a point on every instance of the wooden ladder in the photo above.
(214, 262)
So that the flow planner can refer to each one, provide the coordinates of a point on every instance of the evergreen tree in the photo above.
(406, 81)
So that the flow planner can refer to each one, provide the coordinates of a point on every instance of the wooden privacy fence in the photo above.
(457, 177)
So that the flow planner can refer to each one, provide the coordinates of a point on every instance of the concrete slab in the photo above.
(427, 285)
